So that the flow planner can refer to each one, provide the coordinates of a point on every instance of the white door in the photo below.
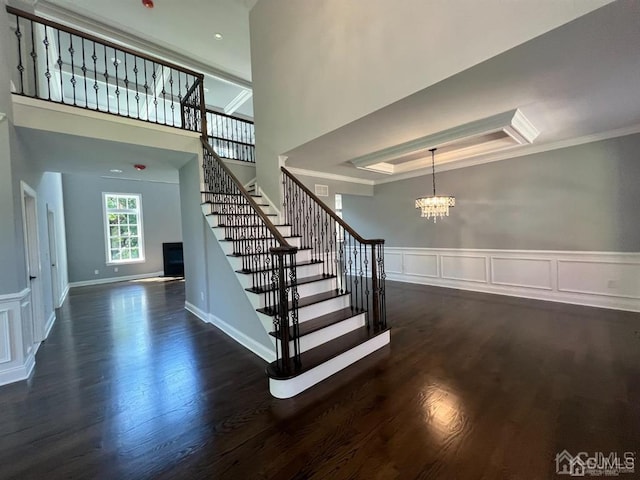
(30, 225)
(53, 258)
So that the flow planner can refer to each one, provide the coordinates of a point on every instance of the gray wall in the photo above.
(335, 186)
(210, 281)
(583, 198)
(244, 172)
(85, 224)
(193, 228)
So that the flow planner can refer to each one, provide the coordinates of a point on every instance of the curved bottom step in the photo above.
(290, 387)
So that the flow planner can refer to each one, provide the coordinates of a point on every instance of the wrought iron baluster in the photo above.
(173, 105)
(20, 67)
(84, 74)
(34, 57)
(73, 70)
(47, 74)
(94, 57)
(146, 88)
(59, 62)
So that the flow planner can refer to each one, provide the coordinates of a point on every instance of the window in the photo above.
(339, 205)
(123, 227)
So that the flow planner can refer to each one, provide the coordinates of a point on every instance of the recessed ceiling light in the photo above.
(147, 3)
(206, 90)
(115, 170)
(218, 35)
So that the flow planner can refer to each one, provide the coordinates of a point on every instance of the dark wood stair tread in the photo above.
(251, 226)
(210, 192)
(256, 238)
(311, 300)
(239, 255)
(239, 205)
(318, 323)
(298, 264)
(301, 281)
(322, 353)
(246, 213)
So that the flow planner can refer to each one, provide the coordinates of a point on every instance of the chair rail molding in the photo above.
(595, 279)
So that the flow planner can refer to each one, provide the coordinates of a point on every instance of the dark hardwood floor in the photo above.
(473, 386)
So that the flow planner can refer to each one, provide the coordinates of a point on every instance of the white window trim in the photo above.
(105, 224)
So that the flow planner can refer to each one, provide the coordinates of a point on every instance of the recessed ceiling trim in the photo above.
(238, 101)
(329, 176)
(516, 127)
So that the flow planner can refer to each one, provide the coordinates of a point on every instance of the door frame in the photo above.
(29, 200)
(52, 237)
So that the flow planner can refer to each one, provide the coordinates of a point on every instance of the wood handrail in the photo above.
(272, 228)
(331, 213)
(102, 41)
(215, 112)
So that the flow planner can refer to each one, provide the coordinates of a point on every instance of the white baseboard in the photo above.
(201, 314)
(248, 342)
(124, 278)
(49, 325)
(21, 372)
(595, 279)
(64, 295)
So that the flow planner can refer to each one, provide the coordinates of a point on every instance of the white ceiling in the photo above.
(581, 79)
(186, 26)
(58, 152)
(181, 32)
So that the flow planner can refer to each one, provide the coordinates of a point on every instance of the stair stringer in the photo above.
(230, 305)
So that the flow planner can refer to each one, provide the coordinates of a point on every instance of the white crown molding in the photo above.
(330, 176)
(51, 11)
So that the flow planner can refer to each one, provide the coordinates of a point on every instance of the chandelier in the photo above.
(435, 206)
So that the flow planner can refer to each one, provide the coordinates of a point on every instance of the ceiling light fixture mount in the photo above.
(218, 36)
(435, 206)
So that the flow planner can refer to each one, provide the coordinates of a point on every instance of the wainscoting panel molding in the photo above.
(598, 279)
(17, 352)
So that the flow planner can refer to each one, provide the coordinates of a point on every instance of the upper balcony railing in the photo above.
(231, 137)
(59, 64)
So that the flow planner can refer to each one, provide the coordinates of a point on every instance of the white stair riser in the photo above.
(322, 308)
(294, 386)
(246, 280)
(227, 245)
(301, 256)
(285, 230)
(216, 220)
(258, 300)
(329, 333)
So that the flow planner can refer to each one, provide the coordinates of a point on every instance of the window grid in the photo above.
(123, 218)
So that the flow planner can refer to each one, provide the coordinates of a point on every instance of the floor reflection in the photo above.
(443, 412)
(155, 383)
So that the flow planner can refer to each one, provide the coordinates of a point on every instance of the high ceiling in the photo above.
(180, 31)
(575, 83)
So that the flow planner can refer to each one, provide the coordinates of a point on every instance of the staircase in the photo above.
(317, 287)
